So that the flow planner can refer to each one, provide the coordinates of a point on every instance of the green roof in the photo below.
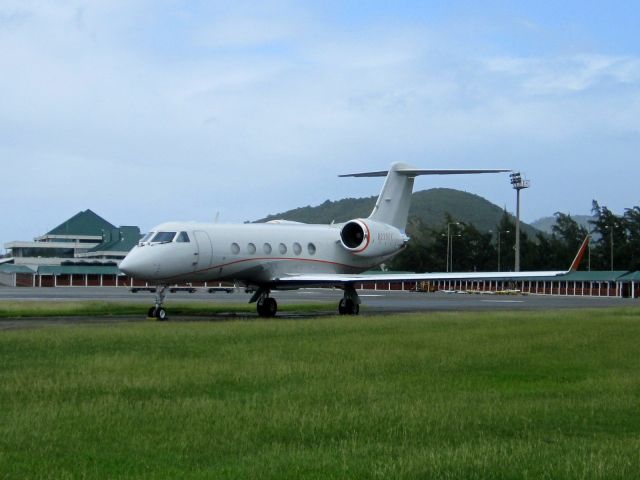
(11, 268)
(83, 223)
(630, 277)
(120, 239)
(591, 276)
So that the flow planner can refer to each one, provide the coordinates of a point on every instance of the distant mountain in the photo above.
(544, 224)
(429, 206)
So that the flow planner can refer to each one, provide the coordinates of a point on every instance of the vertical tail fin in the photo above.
(392, 206)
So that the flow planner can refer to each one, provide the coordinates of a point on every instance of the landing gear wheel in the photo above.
(157, 312)
(267, 307)
(348, 307)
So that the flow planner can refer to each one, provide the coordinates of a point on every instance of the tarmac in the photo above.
(373, 301)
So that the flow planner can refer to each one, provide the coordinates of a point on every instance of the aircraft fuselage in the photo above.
(257, 254)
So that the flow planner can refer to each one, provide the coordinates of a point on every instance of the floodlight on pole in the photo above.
(518, 184)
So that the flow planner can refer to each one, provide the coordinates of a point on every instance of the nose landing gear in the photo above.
(158, 310)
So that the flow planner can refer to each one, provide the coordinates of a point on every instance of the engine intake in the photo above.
(354, 235)
(368, 238)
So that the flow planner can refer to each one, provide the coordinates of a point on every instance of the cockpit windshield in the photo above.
(183, 238)
(163, 237)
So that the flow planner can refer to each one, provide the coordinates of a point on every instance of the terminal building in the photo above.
(83, 250)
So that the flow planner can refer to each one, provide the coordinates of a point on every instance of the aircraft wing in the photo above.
(337, 279)
(345, 279)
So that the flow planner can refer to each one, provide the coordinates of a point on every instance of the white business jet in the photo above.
(285, 255)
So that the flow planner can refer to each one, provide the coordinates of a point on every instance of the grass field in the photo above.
(458, 395)
(29, 309)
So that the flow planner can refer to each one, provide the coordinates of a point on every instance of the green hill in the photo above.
(545, 224)
(428, 206)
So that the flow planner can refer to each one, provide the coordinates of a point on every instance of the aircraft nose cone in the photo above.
(141, 264)
(131, 266)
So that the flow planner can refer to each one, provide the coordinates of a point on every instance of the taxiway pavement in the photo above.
(373, 301)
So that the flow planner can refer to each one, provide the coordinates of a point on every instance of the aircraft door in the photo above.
(204, 253)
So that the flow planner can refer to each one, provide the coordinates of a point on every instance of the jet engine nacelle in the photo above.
(368, 238)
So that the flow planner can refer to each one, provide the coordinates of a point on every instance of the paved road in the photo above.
(373, 301)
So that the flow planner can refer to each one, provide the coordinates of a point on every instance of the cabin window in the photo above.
(163, 237)
(183, 237)
(282, 248)
(297, 248)
(235, 248)
(311, 248)
(251, 248)
(147, 237)
(267, 248)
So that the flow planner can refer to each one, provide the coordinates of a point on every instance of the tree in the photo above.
(611, 246)
(421, 254)
(566, 239)
(474, 250)
(506, 235)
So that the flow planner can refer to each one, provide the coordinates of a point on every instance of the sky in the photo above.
(148, 111)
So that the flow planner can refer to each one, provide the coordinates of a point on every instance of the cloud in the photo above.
(167, 110)
(566, 75)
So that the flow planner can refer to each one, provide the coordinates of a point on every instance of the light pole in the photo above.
(449, 241)
(610, 228)
(518, 184)
(500, 244)
(451, 252)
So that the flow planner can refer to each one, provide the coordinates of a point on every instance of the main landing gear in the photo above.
(350, 303)
(266, 306)
(158, 310)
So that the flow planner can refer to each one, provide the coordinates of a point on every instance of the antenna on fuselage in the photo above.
(217, 217)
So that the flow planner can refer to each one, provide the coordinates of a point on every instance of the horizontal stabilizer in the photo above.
(414, 172)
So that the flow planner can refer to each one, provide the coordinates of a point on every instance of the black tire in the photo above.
(272, 307)
(348, 307)
(151, 313)
(267, 307)
(342, 309)
(161, 314)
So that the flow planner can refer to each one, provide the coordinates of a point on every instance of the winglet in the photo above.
(578, 260)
